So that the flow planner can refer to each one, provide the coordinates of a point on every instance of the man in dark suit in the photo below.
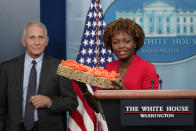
(53, 96)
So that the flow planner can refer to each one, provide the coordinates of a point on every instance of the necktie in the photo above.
(29, 108)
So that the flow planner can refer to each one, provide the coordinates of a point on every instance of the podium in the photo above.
(111, 102)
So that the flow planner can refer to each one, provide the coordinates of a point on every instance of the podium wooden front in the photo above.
(110, 102)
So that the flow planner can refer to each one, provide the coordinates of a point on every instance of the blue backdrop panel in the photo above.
(52, 14)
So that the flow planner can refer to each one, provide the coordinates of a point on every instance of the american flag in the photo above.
(92, 53)
(92, 50)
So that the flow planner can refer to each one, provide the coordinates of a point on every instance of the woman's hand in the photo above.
(119, 84)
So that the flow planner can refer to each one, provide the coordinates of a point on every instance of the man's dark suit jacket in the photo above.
(59, 89)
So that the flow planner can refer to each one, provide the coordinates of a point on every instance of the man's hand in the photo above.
(40, 101)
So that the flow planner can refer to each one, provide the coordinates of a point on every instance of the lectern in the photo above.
(148, 110)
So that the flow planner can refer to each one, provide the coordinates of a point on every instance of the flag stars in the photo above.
(109, 51)
(87, 33)
(96, 51)
(85, 42)
(88, 60)
(102, 60)
(91, 42)
(109, 59)
(83, 51)
(95, 60)
(95, 14)
(94, 23)
(90, 14)
(99, 33)
(103, 51)
(93, 33)
(100, 6)
(95, 5)
(99, 23)
(99, 14)
(81, 60)
(104, 24)
(91, 6)
(98, 42)
(90, 51)
(88, 24)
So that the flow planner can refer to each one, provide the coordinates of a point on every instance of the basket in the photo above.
(84, 77)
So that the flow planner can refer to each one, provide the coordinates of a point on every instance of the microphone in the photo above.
(152, 84)
(160, 84)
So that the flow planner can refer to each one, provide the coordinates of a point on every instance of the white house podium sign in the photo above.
(148, 109)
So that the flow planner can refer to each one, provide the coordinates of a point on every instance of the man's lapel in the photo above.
(19, 80)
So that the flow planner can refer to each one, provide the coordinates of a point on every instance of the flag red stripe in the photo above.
(78, 119)
(88, 109)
